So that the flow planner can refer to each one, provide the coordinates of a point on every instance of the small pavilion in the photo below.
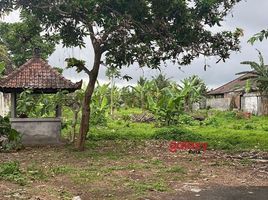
(38, 76)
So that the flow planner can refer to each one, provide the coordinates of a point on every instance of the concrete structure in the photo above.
(219, 103)
(4, 104)
(39, 77)
(38, 131)
(233, 95)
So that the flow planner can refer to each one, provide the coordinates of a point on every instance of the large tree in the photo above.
(123, 32)
(20, 38)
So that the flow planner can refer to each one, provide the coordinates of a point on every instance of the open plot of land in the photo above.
(122, 169)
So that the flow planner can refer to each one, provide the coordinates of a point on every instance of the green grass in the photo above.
(221, 130)
(10, 171)
(177, 169)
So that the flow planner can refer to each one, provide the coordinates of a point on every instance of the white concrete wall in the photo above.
(219, 103)
(4, 104)
(251, 105)
(44, 131)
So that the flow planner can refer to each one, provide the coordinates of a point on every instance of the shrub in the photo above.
(186, 119)
(212, 121)
(265, 128)
(249, 127)
(10, 138)
(174, 133)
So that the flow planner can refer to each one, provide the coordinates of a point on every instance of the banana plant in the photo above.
(192, 90)
(168, 106)
(99, 104)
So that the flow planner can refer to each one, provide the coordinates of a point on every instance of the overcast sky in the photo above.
(250, 15)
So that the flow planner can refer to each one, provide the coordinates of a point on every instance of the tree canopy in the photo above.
(21, 38)
(140, 31)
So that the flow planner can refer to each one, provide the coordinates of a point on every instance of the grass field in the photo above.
(221, 130)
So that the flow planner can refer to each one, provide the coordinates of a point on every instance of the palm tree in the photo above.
(259, 75)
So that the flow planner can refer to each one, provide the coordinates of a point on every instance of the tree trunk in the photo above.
(84, 125)
(112, 99)
(75, 118)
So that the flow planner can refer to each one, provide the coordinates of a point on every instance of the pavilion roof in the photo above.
(37, 75)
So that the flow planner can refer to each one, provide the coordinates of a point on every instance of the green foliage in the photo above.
(99, 105)
(168, 106)
(138, 24)
(177, 134)
(39, 105)
(35, 172)
(212, 121)
(171, 101)
(193, 89)
(259, 73)
(73, 62)
(2, 68)
(13, 137)
(186, 120)
(21, 38)
(10, 171)
(258, 36)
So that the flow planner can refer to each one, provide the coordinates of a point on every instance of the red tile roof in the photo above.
(37, 75)
(237, 84)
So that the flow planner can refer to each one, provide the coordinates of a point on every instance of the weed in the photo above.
(249, 127)
(62, 170)
(246, 161)
(142, 187)
(35, 172)
(10, 171)
(176, 169)
(174, 133)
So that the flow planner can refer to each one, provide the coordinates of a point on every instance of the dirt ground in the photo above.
(128, 170)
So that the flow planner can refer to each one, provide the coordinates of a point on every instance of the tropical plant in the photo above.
(112, 73)
(161, 81)
(99, 105)
(38, 105)
(259, 75)
(259, 36)
(193, 89)
(169, 106)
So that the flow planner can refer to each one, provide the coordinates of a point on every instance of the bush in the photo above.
(186, 119)
(10, 139)
(249, 127)
(174, 133)
(212, 121)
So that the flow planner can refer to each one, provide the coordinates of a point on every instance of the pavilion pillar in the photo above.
(13, 108)
(58, 111)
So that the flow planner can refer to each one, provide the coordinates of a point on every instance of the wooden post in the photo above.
(58, 111)
(13, 105)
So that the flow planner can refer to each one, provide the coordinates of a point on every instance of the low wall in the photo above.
(38, 131)
(219, 103)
